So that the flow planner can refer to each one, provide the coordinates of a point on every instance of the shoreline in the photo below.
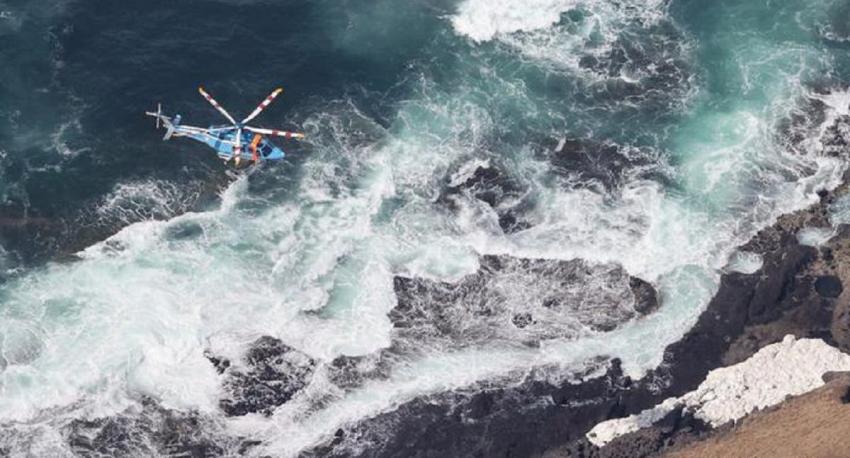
(534, 418)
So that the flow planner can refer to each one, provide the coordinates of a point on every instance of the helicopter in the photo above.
(237, 141)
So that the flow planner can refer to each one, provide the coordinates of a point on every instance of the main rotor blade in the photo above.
(279, 133)
(216, 105)
(221, 129)
(262, 106)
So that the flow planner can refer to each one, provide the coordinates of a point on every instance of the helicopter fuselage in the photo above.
(254, 146)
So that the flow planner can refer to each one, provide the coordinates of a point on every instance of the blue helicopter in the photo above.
(237, 141)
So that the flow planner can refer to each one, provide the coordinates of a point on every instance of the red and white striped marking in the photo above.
(279, 133)
(262, 106)
(215, 104)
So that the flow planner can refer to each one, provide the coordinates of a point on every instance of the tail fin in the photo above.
(169, 123)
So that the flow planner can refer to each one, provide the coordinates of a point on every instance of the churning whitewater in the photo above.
(487, 188)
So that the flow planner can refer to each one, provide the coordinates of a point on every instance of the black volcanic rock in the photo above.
(533, 416)
(519, 300)
(652, 70)
(808, 130)
(558, 299)
(602, 166)
(273, 372)
(488, 183)
(351, 371)
(646, 298)
(150, 430)
(519, 419)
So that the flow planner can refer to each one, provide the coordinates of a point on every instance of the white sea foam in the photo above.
(815, 236)
(745, 262)
(134, 201)
(58, 138)
(540, 31)
(482, 20)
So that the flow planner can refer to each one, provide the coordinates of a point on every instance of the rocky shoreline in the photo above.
(798, 290)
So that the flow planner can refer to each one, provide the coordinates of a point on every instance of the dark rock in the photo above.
(351, 371)
(148, 431)
(247, 445)
(646, 299)
(807, 121)
(220, 364)
(482, 420)
(829, 286)
(35, 232)
(603, 166)
(531, 417)
(273, 373)
(835, 375)
(522, 320)
(557, 299)
(656, 63)
(489, 184)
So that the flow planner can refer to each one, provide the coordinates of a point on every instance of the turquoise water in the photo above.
(694, 99)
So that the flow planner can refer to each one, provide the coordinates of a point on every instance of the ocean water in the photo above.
(124, 260)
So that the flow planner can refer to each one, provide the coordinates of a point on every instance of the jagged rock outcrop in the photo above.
(488, 183)
(270, 375)
(521, 300)
(149, 430)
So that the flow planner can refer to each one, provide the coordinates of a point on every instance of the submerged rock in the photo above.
(148, 430)
(271, 374)
(349, 372)
(518, 300)
(652, 71)
(510, 300)
(487, 183)
(820, 123)
(34, 232)
(603, 166)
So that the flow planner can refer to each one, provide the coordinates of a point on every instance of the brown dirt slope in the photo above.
(814, 425)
